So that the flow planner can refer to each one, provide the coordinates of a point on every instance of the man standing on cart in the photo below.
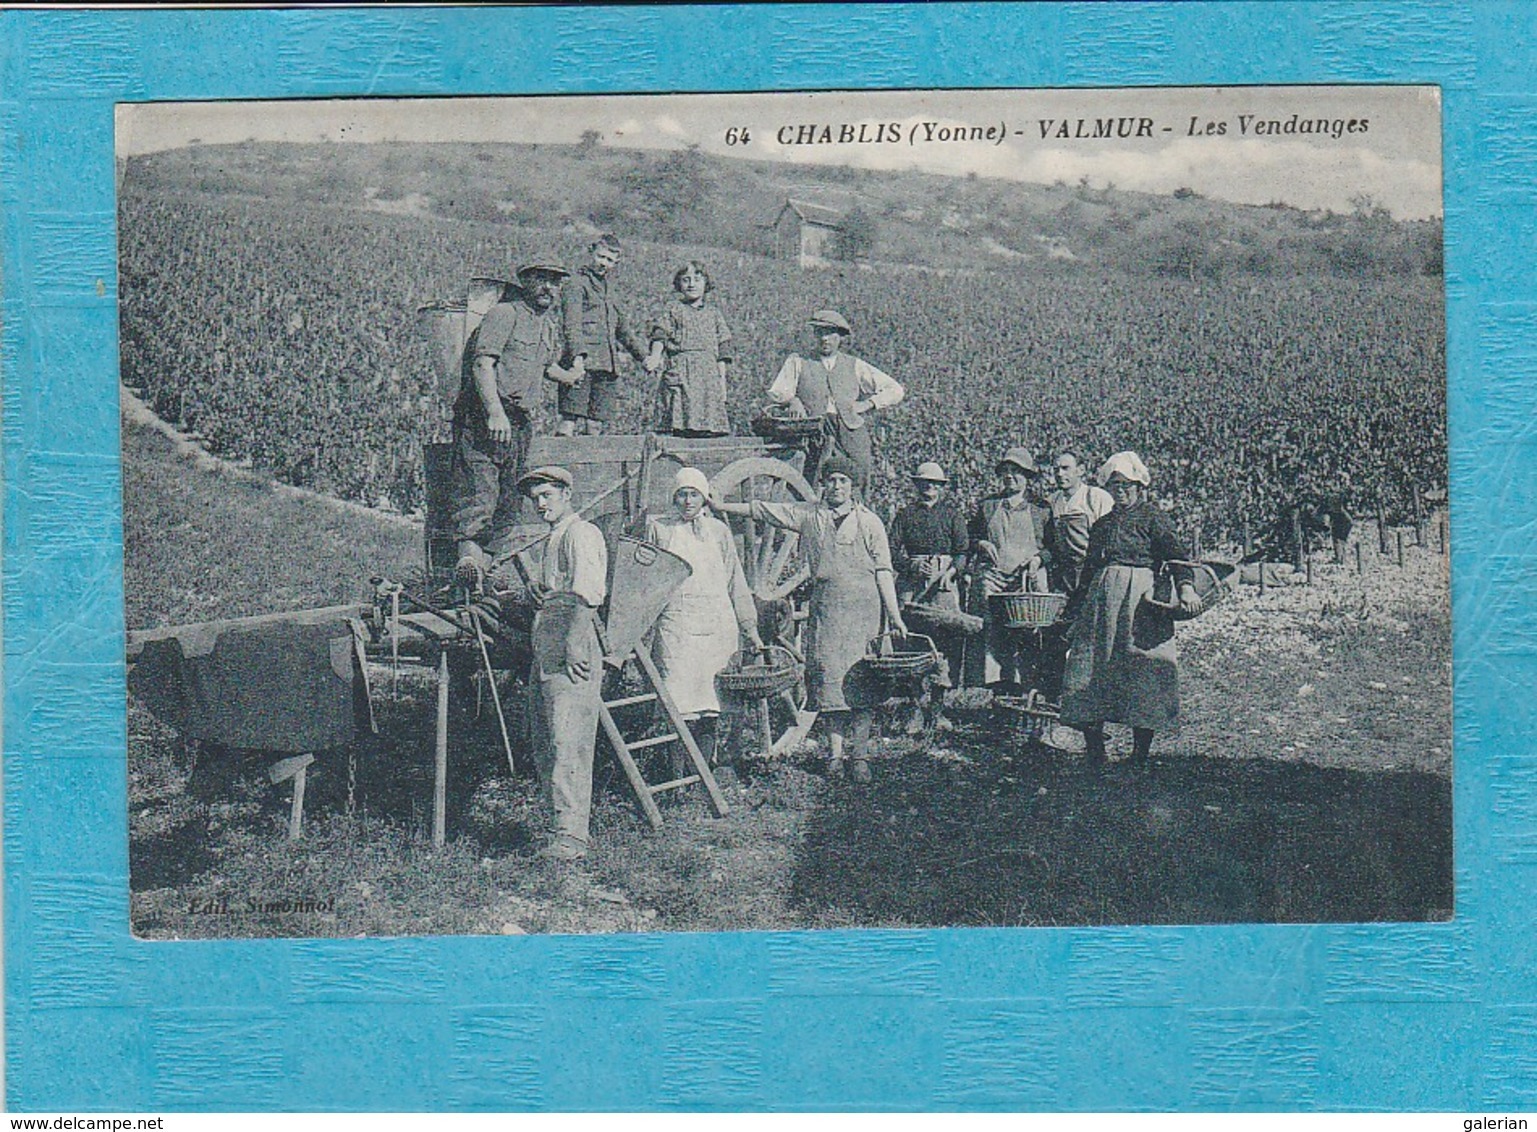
(839, 388)
(511, 353)
(594, 330)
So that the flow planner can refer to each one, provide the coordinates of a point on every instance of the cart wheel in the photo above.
(770, 556)
(774, 568)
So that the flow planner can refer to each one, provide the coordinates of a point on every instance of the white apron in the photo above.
(697, 633)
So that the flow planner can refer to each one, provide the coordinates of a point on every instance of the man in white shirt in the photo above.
(840, 388)
(567, 679)
(1075, 507)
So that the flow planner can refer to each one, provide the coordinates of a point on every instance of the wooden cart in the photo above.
(621, 479)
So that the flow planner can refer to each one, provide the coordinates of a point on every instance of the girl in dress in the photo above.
(693, 340)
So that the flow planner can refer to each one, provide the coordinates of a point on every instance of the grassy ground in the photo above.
(1311, 779)
(198, 546)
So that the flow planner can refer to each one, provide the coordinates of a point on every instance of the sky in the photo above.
(1205, 139)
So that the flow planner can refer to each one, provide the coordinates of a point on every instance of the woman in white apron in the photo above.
(709, 613)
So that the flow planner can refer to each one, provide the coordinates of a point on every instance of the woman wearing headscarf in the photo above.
(1122, 666)
(703, 622)
(845, 546)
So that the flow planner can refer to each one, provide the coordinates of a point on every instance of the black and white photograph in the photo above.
(777, 511)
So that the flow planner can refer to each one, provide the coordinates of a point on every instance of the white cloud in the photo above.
(666, 124)
(1253, 171)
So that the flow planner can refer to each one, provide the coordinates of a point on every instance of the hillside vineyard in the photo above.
(287, 334)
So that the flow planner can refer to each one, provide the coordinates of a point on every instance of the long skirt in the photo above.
(1122, 666)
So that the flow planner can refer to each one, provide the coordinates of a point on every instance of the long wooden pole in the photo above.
(502, 559)
(440, 755)
(496, 697)
(296, 814)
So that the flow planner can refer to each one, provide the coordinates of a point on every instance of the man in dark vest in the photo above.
(840, 388)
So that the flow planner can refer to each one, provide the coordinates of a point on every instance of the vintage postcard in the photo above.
(684, 513)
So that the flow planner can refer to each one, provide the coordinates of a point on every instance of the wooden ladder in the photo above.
(624, 750)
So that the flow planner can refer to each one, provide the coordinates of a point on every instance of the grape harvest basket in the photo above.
(755, 675)
(786, 428)
(1213, 582)
(893, 654)
(1028, 611)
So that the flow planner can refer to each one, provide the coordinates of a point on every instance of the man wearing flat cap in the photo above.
(511, 354)
(568, 586)
(1009, 555)
(839, 388)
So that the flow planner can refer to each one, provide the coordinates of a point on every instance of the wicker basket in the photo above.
(780, 426)
(1028, 611)
(1213, 582)
(896, 655)
(937, 619)
(753, 675)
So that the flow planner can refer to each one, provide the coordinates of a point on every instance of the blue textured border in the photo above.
(1338, 1017)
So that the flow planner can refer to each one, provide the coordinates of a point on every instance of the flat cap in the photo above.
(833, 319)
(531, 269)
(547, 474)
(1020, 458)
(931, 472)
